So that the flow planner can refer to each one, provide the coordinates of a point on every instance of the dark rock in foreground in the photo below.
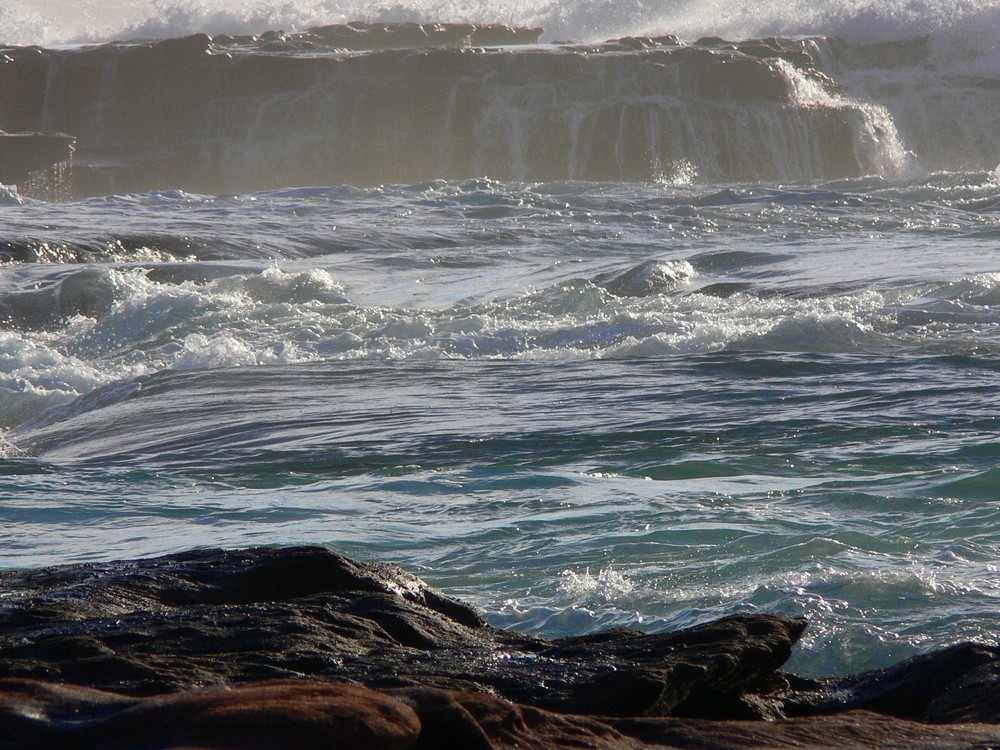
(217, 618)
(957, 684)
(301, 647)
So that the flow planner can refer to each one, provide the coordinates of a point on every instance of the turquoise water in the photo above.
(575, 404)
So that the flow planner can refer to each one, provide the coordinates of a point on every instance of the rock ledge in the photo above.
(302, 647)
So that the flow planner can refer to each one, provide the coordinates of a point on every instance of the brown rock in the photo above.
(310, 714)
(301, 715)
(853, 729)
(300, 647)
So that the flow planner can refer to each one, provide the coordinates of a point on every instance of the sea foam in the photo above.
(51, 22)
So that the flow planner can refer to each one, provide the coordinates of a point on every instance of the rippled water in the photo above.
(576, 404)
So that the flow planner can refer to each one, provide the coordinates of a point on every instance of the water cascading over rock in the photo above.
(235, 114)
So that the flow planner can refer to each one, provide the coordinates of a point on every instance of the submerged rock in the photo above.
(282, 647)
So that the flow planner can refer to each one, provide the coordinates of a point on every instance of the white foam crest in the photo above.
(826, 589)
(976, 21)
(9, 196)
(866, 585)
(37, 374)
(232, 321)
(22, 24)
(223, 350)
(57, 22)
(274, 316)
(607, 585)
(147, 326)
(876, 138)
(814, 332)
(277, 316)
(54, 21)
(697, 324)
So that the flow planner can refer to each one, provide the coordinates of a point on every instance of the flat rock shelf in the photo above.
(301, 647)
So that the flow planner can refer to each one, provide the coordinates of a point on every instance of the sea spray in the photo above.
(52, 22)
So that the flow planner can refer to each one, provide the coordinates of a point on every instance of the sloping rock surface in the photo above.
(956, 684)
(300, 715)
(223, 617)
(302, 647)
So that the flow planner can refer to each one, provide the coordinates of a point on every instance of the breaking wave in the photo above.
(53, 22)
(97, 325)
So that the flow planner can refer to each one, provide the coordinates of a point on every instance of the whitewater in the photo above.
(589, 313)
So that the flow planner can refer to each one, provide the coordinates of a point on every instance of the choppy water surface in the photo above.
(575, 404)
(717, 331)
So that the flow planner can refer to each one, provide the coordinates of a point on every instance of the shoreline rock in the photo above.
(248, 648)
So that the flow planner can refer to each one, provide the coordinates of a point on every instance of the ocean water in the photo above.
(636, 332)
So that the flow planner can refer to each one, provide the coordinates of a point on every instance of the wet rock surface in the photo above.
(24, 153)
(957, 684)
(265, 647)
(205, 618)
